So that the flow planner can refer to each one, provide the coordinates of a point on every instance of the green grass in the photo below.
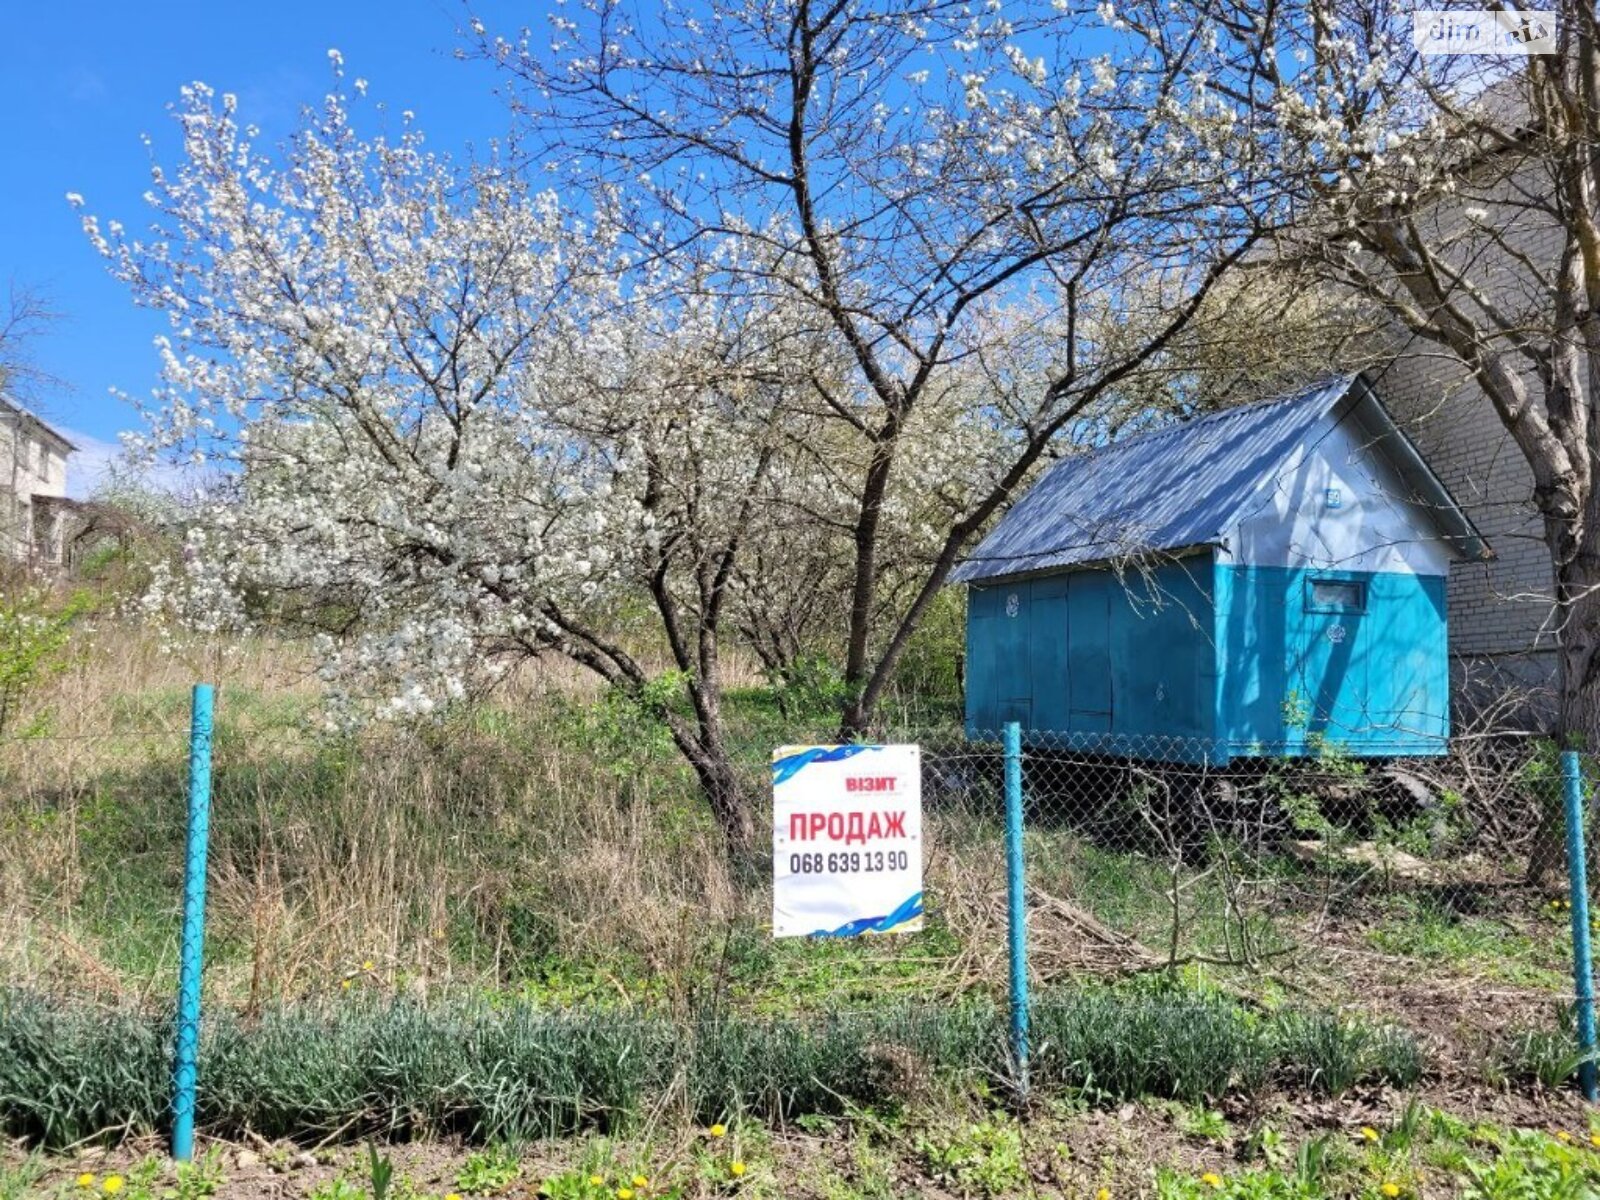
(1425, 1154)
(1485, 946)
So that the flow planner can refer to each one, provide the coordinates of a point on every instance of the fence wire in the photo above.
(1427, 892)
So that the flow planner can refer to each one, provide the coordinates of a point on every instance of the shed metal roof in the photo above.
(1184, 486)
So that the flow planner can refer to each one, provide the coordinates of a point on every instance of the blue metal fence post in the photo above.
(1578, 881)
(1017, 906)
(194, 925)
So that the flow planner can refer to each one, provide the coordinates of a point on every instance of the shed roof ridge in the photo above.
(1216, 416)
(1182, 486)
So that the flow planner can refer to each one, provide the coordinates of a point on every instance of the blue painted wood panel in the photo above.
(1089, 675)
(1094, 659)
(1049, 651)
(1202, 660)
(1372, 680)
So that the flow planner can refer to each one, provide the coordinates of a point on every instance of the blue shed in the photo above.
(1260, 581)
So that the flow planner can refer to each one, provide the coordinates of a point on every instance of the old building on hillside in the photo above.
(34, 508)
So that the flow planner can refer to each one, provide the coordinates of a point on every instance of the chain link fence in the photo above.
(567, 872)
(1431, 891)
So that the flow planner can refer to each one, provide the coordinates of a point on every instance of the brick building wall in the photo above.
(1500, 631)
(1501, 634)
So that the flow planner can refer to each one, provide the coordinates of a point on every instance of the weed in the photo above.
(488, 1170)
(380, 1172)
(18, 1180)
(143, 1179)
(1268, 1144)
(1244, 1185)
(1548, 1057)
(984, 1159)
(581, 1183)
(1413, 1123)
(198, 1179)
(338, 1188)
(1534, 1165)
(1202, 1122)
(1313, 1161)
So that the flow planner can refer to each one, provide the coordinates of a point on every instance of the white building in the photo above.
(33, 487)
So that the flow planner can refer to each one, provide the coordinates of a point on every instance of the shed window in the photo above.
(1336, 595)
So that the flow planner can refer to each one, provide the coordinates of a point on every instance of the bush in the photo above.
(1189, 1047)
(70, 1074)
(401, 1070)
(1330, 1054)
(1119, 1045)
(512, 1073)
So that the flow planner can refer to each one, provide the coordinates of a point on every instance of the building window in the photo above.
(1336, 595)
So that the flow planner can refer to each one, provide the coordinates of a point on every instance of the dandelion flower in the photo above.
(86, 1180)
(624, 1194)
(367, 966)
(1368, 1132)
(718, 1131)
(596, 1180)
(1564, 1136)
(453, 1196)
(1103, 1194)
(112, 1184)
(639, 1181)
(345, 983)
(1391, 1190)
(1211, 1179)
(736, 1168)
(1594, 1139)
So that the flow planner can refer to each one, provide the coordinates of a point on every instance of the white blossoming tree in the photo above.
(997, 192)
(455, 438)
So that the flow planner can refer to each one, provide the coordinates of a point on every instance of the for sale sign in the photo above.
(846, 840)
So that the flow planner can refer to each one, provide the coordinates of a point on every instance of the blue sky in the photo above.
(81, 83)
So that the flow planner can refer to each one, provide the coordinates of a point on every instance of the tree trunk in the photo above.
(1577, 617)
(857, 712)
(730, 803)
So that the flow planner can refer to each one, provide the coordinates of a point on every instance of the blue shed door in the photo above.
(1089, 651)
(1329, 664)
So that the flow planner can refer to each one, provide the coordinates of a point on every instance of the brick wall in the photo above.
(1500, 632)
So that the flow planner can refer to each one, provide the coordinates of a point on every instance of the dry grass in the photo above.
(519, 843)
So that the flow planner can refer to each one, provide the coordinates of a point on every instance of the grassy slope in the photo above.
(548, 850)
